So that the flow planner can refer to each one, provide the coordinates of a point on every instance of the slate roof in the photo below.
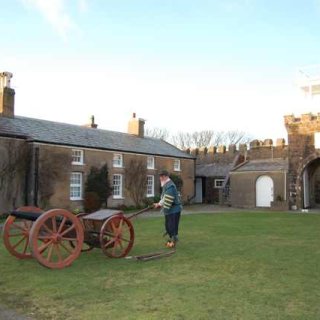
(77, 136)
(213, 169)
(263, 165)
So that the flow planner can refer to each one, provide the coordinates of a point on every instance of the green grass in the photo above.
(227, 266)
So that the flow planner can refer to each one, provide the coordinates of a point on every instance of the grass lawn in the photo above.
(227, 266)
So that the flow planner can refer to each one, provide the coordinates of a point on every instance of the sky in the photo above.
(183, 65)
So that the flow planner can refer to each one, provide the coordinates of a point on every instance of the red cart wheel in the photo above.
(50, 238)
(116, 236)
(16, 234)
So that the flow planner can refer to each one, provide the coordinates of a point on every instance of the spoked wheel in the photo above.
(16, 234)
(116, 236)
(50, 238)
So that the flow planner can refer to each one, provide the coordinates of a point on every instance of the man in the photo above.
(170, 205)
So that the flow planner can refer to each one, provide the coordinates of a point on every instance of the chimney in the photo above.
(136, 126)
(91, 124)
(6, 95)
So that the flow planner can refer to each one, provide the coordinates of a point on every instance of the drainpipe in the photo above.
(28, 172)
(285, 186)
(36, 177)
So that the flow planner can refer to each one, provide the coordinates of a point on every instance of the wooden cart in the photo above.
(57, 237)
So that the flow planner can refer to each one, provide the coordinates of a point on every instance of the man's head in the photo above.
(164, 173)
(163, 176)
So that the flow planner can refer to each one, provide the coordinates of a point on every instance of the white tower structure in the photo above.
(309, 80)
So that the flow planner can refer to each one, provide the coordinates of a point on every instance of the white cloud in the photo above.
(55, 12)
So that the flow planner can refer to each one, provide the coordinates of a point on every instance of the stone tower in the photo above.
(304, 144)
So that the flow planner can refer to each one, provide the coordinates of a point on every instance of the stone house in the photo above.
(46, 163)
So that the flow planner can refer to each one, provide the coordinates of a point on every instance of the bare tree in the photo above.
(182, 140)
(13, 166)
(136, 180)
(202, 138)
(198, 139)
(53, 168)
(207, 138)
(236, 137)
(158, 133)
(218, 139)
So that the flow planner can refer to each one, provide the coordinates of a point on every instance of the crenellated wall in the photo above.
(257, 150)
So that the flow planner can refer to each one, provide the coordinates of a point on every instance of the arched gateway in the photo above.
(304, 160)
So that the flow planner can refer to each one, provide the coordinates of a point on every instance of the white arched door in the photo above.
(264, 191)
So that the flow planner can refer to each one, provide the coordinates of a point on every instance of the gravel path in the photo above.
(6, 314)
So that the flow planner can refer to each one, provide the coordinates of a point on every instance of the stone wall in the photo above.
(301, 151)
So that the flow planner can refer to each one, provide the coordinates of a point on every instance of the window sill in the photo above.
(76, 199)
(118, 198)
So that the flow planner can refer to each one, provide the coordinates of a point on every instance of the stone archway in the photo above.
(308, 182)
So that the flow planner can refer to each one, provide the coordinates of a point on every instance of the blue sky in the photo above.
(181, 65)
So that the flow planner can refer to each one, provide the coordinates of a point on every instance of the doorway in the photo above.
(264, 191)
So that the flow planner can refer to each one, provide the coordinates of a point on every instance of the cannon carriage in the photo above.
(57, 237)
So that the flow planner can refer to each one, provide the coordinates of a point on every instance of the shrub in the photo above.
(92, 202)
(98, 183)
(177, 181)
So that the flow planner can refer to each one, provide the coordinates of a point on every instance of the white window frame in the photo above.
(115, 186)
(177, 165)
(150, 162)
(150, 186)
(76, 185)
(117, 160)
(217, 185)
(77, 156)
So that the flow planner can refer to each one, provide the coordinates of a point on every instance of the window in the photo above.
(176, 165)
(77, 156)
(76, 186)
(117, 186)
(150, 163)
(117, 160)
(218, 183)
(150, 186)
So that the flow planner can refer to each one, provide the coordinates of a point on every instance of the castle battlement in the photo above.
(304, 118)
(257, 150)
(232, 148)
(306, 124)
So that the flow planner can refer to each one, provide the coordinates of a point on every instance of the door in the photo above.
(198, 198)
(264, 191)
(306, 189)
